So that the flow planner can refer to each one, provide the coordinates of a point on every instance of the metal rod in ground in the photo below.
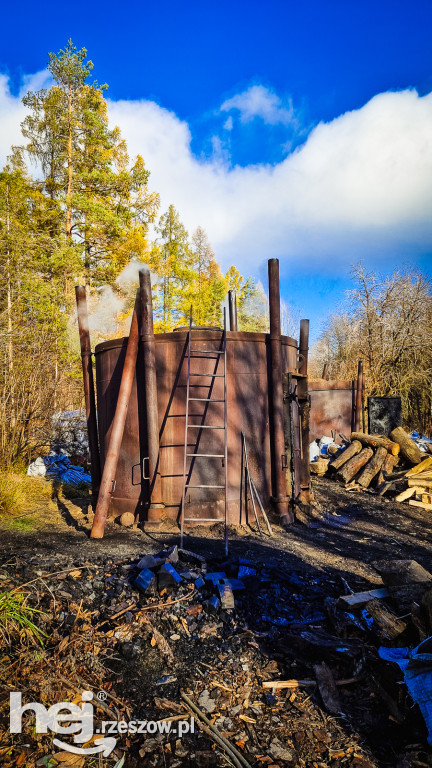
(250, 484)
(89, 392)
(117, 429)
(266, 520)
(233, 751)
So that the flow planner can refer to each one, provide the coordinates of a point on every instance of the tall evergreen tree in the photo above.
(171, 260)
(208, 288)
(104, 206)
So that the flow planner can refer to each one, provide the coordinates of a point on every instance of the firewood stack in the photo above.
(380, 463)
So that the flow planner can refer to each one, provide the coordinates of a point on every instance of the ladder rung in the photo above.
(208, 351)
(188, 485)
(203, 519)
(208, 455)
(207, 399)
(212, 375)
(202, 426)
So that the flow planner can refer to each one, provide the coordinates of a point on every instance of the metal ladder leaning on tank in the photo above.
(217, 355)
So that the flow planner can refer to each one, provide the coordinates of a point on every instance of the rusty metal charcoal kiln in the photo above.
(142, 385)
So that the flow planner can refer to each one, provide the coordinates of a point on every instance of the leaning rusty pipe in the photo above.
(232, 308)
(117, 429)
(359, 397)
(150, 384)
(277, 438)
(89, 392)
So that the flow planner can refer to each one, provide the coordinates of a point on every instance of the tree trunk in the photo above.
(69, 162)
(354, 465)
(377, 440)
(372, 467)
(409, 449)
(347, 454)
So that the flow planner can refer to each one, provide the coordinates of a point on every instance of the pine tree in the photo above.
(208, 289)
(103, 205)
(172, 261)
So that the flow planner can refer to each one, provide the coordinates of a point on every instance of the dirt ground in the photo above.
(279, 630)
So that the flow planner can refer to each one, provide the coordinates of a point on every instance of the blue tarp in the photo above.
(416, 665)
(421, 440)
(59, 467)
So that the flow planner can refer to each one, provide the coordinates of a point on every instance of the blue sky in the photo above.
(297, 130)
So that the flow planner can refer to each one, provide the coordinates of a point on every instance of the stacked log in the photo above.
(369, 461)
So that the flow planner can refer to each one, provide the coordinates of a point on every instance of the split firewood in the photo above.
(354, 465)
(373, 467)
(280, 685)
(327, 688)
(424, 465)
(420, 504)
(426, 498)
(386, 469)
(389, 624)
(407, 493)
(409, 450)
(377, 441)
(420, 482)
(346, 455)
(360, 599)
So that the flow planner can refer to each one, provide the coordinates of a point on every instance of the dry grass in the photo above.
(20, 494)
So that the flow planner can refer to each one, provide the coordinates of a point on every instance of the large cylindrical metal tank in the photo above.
(248, 360)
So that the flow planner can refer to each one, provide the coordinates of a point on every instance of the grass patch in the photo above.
(24, 500)
(16, 619)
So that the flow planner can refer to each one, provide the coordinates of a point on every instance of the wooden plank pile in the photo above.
(381, 463)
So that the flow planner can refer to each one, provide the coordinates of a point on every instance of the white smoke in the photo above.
(111, 308)
(104, 310)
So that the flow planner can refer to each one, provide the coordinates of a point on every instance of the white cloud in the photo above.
(259, 101)
(13, 112)
(360, 186)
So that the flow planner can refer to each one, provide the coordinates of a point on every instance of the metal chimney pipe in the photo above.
(232, 308)
(277, 438)
(359, 397)
(150, 384)
(89, 392)
(304, 410)
(111, 460)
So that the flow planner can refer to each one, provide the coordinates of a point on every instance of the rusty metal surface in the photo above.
(304, 415)
(114, 444)
(277, 436)
(154, 493)
(248, 363)
(89, 392)
(232, 309)
(332, 404)
(359, 415)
